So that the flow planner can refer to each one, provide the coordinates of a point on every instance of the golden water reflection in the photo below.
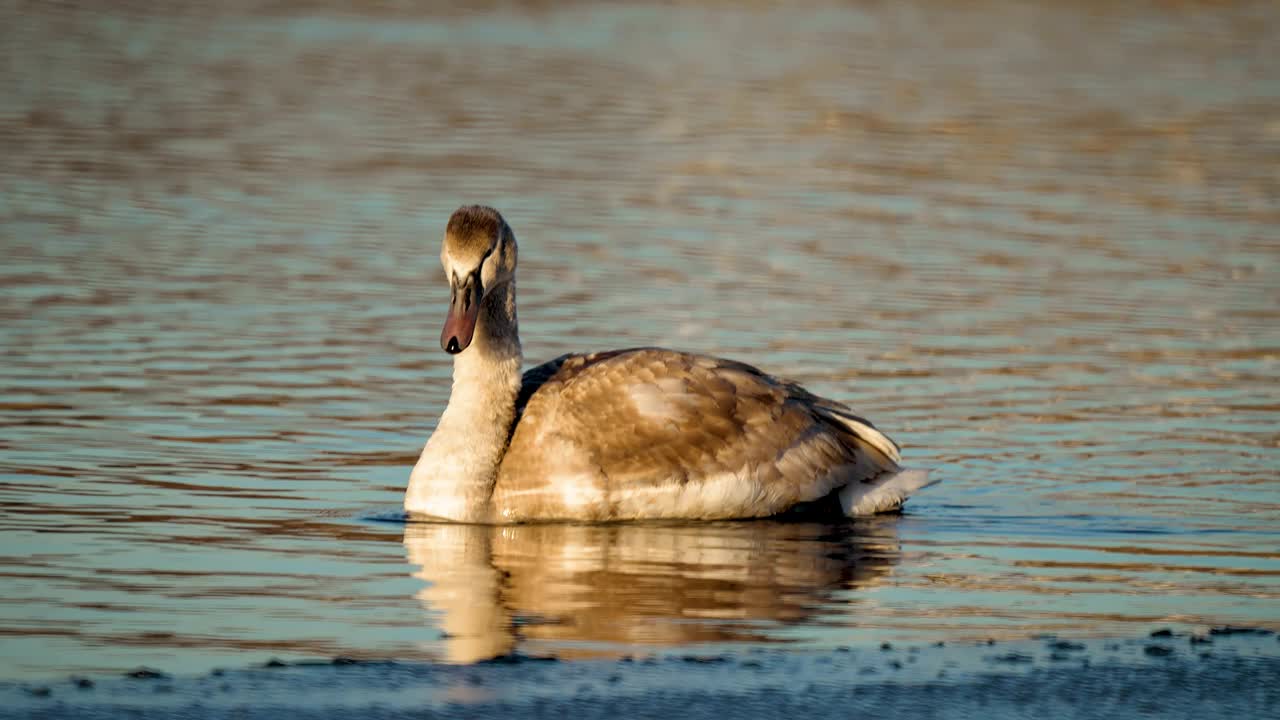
(490, 588)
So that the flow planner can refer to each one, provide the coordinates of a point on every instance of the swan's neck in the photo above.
(455, 474)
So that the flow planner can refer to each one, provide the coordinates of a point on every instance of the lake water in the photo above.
(1037, 243)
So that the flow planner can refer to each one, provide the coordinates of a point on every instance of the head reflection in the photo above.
(490, 588)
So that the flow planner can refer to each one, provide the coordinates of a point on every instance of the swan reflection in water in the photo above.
(493, 588)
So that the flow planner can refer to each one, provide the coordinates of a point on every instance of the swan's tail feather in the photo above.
(866, 434)
(884, 493)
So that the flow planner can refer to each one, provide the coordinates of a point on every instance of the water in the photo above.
(1038, 245)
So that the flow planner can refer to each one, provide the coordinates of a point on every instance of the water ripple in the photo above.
(1053, 282)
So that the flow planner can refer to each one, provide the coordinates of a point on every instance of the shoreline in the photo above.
(1170, 674)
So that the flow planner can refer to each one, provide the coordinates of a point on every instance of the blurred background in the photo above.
(1036, 242)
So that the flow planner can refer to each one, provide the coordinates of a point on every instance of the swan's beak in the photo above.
(464, 309)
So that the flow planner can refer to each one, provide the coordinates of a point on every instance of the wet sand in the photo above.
(1174, 676)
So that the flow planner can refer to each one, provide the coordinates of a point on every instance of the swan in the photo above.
(637, 434)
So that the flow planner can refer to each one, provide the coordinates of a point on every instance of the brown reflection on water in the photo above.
(589, 590)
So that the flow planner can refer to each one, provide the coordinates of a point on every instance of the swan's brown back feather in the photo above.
(652, 433)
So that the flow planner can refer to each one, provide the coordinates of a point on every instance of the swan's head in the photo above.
(478, 255)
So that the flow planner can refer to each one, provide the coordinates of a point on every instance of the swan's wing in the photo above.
(654, 433)
(533, 380)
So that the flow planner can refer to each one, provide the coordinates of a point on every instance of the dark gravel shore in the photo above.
(1167, 675)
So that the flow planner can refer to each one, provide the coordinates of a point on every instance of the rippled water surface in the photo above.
(1037, 243)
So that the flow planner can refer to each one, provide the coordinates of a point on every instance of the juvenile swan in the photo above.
(635, 434)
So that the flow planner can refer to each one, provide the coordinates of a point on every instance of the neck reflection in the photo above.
(601, 588)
